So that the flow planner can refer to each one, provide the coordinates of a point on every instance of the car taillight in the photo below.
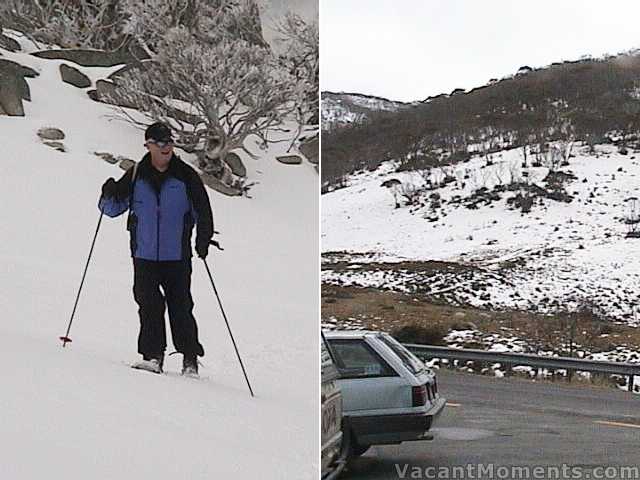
(419, 395)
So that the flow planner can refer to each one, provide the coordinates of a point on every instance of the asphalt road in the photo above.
(514, 422)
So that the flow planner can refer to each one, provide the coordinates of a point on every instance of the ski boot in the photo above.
(190, 366)
(150, 364)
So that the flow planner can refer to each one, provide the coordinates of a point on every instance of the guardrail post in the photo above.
(631, 379)
(508, 370)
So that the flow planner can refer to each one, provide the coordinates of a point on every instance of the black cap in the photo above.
(158, 131)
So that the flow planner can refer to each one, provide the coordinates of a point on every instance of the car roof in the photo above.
(351, 334)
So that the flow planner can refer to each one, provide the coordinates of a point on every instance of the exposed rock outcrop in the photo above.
(87, 58)
(50, 133)
(74, 77)
(13, 87)
(290, 159)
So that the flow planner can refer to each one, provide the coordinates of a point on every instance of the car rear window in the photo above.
(356, 359)
(328, 369)
(409, 360)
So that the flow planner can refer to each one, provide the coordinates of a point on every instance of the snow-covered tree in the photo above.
(150, 20)
(209, 75)
(301, 58)
(68, 23)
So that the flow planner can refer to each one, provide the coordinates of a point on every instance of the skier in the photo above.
(165, 198)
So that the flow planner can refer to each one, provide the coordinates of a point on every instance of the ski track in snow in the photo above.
(81, 412)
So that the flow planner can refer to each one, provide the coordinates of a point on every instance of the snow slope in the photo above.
(534, 261)
(81, 412)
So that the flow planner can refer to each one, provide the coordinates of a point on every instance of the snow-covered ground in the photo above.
(534, 261)
(81, 412)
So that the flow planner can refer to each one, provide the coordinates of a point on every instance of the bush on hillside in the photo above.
(429, 334)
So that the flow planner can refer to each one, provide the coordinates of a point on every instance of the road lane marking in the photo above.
(449, 404)
(618, 424)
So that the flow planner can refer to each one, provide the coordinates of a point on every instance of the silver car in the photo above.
(389, 395)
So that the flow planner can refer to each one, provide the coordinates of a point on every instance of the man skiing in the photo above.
(165, 198)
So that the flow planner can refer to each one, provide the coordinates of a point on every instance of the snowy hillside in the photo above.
(464, 240)
(339, 109)
(81, 412)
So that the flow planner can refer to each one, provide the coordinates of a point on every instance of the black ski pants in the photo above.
(174, 277)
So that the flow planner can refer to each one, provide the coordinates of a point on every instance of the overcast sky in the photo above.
(411, 49)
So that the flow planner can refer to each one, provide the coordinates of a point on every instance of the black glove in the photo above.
(202, 249)
(110, 188)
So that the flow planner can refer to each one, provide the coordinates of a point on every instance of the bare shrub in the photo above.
(429, 334)
(411, 192)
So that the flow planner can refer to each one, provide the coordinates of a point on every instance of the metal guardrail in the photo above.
(570, 364)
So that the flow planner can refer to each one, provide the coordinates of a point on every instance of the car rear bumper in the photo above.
(388, 429)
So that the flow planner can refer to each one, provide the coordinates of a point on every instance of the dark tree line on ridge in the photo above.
(592, 100)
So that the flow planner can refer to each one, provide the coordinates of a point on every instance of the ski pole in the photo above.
(65, 339)
(215, 290)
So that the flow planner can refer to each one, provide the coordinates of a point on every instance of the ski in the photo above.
(148, 366)
(152, 368)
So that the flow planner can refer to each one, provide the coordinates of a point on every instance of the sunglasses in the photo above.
(160, 143)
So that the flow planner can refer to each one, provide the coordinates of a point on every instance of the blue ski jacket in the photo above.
(163, 209)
